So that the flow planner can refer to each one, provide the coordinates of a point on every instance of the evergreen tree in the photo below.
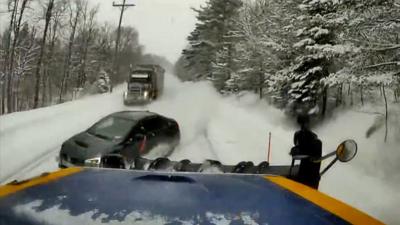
(210, 50)
(298, 52)
(317, 49)
(263, 45)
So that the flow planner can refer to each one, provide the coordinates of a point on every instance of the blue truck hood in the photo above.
(109, 196)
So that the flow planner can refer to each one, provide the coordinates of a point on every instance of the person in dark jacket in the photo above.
(307, 148)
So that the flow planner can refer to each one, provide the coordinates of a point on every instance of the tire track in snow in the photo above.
(188, 148)
(210, 145)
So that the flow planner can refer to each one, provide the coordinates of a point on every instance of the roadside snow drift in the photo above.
(229, 129)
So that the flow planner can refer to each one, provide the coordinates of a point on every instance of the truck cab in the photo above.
(145, 83)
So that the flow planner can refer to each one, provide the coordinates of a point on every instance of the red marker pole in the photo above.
(269, 147)
(142, 145)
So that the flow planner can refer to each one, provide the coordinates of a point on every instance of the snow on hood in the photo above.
(58, 216)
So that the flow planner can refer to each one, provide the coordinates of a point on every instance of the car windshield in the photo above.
(112, 128)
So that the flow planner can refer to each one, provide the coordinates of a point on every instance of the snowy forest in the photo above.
(52, 51)
(300, 55)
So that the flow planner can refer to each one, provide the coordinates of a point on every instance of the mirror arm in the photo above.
(329, 166)
(291, 167)
(325, 157)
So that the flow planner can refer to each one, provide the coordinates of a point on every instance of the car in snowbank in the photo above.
(127, 133)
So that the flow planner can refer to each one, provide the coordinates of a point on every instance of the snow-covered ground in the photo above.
(229, 129)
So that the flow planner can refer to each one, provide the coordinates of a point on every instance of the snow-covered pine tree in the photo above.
(210, 46)
(375, 28)
(200, 53)
(317, 48)
(263, 47)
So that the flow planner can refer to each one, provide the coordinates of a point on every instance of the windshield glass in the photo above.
(112, 128)
(139, 77)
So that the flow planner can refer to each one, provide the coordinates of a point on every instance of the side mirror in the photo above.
(346, 151)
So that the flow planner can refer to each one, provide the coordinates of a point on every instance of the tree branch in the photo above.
(394, 47)
(383, 64)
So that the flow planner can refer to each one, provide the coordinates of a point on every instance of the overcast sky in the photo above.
(163, 25)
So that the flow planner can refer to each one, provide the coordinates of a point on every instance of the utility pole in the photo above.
(123, 6)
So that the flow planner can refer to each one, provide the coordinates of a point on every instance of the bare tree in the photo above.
(54, 49)
(42, 49)
(27, 54)
(58, 14)
(73, 23)
(10, 88)
(12, 5)
(87, 30)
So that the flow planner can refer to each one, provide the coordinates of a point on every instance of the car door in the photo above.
(171, 129)
(152, 129)
(134, 142)
(165, 132)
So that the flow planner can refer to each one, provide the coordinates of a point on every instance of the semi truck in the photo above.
(145, 84)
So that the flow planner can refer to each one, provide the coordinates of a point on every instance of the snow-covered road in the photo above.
(229, 129)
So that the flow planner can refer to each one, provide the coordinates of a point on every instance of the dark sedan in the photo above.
(127, 133)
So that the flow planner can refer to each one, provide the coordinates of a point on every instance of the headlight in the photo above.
(146, 94)
(125, 94)
(94, 162)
